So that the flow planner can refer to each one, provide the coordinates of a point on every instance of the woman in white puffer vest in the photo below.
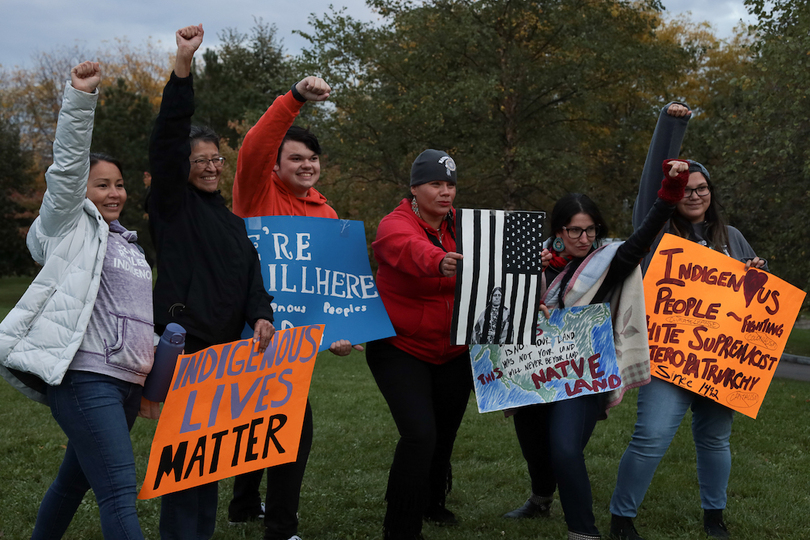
(80, 338)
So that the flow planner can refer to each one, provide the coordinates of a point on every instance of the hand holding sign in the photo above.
(716, 327)
(343, 347)
(231, 410)
(263, 332)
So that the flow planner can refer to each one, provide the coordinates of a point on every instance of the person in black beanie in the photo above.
(425, 380)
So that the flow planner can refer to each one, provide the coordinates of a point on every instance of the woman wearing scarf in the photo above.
(553, 436)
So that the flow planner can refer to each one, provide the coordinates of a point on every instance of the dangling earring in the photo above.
(558, 245)
(415, 206)
(595, 244)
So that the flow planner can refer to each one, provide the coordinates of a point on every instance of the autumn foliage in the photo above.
(532, 98)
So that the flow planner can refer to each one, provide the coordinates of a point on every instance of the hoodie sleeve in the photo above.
(401, 244)
(665, 144)
(169, 147)
(259, 152)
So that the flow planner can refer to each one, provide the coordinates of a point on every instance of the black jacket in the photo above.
(208, 275)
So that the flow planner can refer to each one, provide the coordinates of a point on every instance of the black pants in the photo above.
(553, 438)
(283, 490)
(190, 514)
(427, 402)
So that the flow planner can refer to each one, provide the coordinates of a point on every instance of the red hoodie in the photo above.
(257, 189)
(417, 297)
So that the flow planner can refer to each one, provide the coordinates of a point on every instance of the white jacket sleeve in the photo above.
(66, 178)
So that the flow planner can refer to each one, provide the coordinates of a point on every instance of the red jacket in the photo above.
(417, 297)
(257, 189)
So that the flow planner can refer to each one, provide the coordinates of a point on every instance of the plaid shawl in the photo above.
(627, 312)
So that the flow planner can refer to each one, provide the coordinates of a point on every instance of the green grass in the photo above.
(342, 497)
(799, 342)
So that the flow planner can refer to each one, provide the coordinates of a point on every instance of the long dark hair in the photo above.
(564, 210)
(715, 227)
(572, 204)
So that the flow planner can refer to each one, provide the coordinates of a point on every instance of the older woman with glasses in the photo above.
(661, 405)
(553, 436)
(209, 279)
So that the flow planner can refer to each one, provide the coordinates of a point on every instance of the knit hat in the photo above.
(694, 166)
(433, 165)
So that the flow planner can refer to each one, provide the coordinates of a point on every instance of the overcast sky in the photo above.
(33, 26)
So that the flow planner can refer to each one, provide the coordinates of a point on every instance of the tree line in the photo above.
(532, 98)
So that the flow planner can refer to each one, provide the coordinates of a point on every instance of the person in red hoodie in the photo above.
(279, 164)
(276, 171)
(425, 380)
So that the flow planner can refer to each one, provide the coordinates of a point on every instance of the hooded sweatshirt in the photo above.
(257, 189)
(417, 297)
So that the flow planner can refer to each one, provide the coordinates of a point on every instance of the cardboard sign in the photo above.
(317, 271)
(231, 410)
(574, 356)
(714, 328)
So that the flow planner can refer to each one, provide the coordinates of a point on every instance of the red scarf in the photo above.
(557, 262)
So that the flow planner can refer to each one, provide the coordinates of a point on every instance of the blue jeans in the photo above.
(96, 412)
(553, 438)
(661, 407)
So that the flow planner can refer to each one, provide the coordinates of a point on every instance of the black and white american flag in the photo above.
(501, 249)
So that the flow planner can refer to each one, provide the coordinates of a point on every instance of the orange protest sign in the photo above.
(232, 410)
(714, 328)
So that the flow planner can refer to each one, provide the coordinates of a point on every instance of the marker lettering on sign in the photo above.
(174, 460)
(752, 282)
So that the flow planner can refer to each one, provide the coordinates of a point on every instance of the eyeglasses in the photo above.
(575, 232)
(203, 163)
(702, 191)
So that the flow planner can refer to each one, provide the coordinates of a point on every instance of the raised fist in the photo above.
(313, 89)
(678, 110)
(86, 76)
(189, 38)
(677, 167)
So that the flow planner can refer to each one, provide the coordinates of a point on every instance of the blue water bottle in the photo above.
(171, 344)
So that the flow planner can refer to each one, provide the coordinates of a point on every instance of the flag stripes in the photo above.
(501, 250)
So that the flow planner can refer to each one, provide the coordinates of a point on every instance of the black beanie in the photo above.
(433, 165)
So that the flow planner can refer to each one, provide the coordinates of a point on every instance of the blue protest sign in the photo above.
(317, 271)
(574, 356)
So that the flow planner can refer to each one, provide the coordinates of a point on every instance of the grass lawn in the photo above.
(799, 342)
(342, 497)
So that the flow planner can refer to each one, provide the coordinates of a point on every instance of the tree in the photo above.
(16, 177)
(532, 98)
(240, 80)
(122, 128)
(35, 94)
(753, 139)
